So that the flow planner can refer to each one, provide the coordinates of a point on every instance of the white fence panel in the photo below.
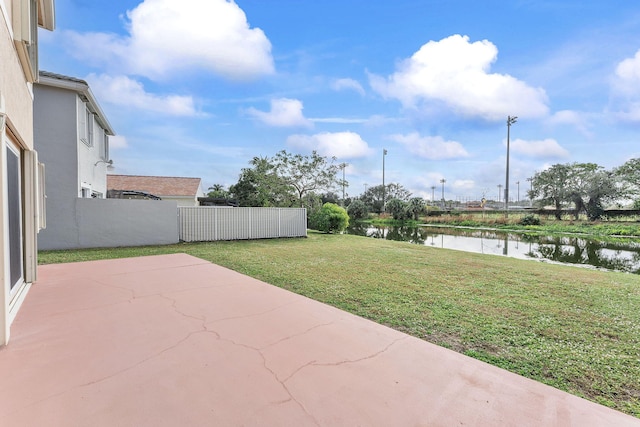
(206, 223)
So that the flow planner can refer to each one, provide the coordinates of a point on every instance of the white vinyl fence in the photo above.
(207, 223)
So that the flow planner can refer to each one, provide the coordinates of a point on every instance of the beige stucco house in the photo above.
(21, 210)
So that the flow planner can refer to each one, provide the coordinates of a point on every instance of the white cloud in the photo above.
(348, 84)
(168, 37)
(343, 145)
(463, 184)
(626, 89)
(284, 113)
(117, 142)
(572, 118)
(431, 147)
(543, 149)
(455, 73)
(631, 112)
(339, 120)
(627, 76)
(126, 92)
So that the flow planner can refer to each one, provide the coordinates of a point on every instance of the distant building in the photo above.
(184, 191)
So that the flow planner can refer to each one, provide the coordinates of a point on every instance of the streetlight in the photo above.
(499, 192)
(433, 194)
(384, 189)
(343, 166)
(510, 121)
(518, 183)
(442, 181)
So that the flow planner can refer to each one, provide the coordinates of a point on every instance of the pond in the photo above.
(577, 250)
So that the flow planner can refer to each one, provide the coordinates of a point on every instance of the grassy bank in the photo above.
(513, 222)
(572, 328)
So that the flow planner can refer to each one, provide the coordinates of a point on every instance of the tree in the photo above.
(550, 187)
(305, 174)
(373, 196)
(331, 218)
(589, 187)
(628, 178)
(357, 209)
(397, 208)
(586, 185)
(217, 191)
(415, 207)
(260, 185)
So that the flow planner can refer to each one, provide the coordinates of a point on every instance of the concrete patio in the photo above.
(174, 340)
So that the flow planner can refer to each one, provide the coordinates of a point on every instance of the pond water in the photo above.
(616, 256)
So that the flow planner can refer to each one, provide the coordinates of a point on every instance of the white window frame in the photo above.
(25, 35)
(86, 125)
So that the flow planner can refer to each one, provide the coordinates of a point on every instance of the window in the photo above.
(105, 146)
(25, 33)
(86, 126)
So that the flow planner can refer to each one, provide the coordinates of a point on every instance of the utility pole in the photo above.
(442, 181)
(384, 189)
(518, 184)
(433, 194)
(510, 121)
(499, 192)
(343, 166)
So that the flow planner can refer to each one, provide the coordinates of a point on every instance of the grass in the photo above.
(575, 329)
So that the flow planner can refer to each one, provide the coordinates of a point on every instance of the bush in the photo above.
(358, 209)
(530, 220)
(397, 208)
(331, 218)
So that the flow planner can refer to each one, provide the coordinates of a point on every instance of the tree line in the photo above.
(586, 187)
(295, 180)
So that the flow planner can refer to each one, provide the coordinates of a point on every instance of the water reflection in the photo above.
(617, 256)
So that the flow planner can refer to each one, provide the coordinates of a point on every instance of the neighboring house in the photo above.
(71, 134)
(184, 191)
(21, 214)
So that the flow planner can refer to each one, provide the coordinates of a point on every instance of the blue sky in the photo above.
(199, 87)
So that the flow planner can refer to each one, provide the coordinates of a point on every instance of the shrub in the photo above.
(397, 208)
(331, 218)
(358, 209)
(530, 220)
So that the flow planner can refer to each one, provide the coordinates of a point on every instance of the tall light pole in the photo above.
(433, 194)
(384, 189)
(510, 121)
(442, 181)
(343, 166)
(499, 192)
(518, 183)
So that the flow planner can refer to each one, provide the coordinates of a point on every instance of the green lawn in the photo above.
(572, 328)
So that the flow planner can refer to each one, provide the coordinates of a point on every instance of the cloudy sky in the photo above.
(199, 87)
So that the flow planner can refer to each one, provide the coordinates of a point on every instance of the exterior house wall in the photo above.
(91, 167)
(71, 134)
(19, 196)
(56, 135)
(14, 87)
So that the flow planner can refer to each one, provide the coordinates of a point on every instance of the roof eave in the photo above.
(81, 88)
